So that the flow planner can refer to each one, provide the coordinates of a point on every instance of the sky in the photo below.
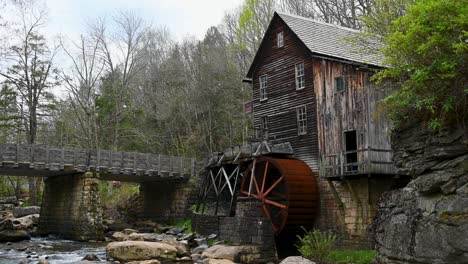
(183, 18)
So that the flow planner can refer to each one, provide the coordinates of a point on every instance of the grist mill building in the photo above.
(323, 155)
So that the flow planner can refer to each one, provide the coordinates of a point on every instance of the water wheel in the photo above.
(286, 189)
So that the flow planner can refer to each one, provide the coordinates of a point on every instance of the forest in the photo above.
(128, 85)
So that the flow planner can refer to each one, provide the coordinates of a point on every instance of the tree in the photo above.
(30, 71)
(427, 51)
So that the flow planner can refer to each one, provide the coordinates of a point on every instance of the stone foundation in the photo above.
(71, 207)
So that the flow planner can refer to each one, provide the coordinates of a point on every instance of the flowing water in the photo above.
(54, 250)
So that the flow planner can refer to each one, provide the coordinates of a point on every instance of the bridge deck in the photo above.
(44, 160)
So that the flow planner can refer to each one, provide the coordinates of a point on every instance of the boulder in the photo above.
(23, 211)
(140, 250)
(296, 260)
(182, 247)
(240, 254)
(9, 200)
(25, 222)
(129, 231)
(176, 230)
(151, 261)
(119, 236)
(91, 257)
(13, 235)
(217, 261)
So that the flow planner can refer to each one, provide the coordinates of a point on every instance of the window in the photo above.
(280, 39)
(263, 87)
(300, 79)
(264, 123)
(301, 120)
(340, 84)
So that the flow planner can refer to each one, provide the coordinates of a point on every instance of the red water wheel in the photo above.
(286, 189)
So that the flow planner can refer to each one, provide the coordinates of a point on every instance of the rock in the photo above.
(23, 211)
(176, 230)
(241, 254)
(9, 200)
(217, 261)
(128, 231)
(151, 261)
(91, 257)
(296, 260)
(140, 250)
(25, 222)
(13, 235)
(200, 241)
(195, 257)
(182, 247)
(188, 237)
(43, 261)
(212, 236)
(116, 225)
(199, 249)
(427, 221)
(119, 236)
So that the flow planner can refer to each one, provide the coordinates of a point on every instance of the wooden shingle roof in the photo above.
(327, 40)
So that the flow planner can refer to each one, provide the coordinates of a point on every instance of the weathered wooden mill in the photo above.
(323, 154)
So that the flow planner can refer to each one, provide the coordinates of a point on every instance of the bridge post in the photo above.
(71, 207)
(166, 201)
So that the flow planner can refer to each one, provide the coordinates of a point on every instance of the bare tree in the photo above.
(82, 81)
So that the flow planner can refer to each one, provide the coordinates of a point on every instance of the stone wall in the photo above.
(71, 207)
(166, 201)
(349, 206)
(205, 224)
(427, 221)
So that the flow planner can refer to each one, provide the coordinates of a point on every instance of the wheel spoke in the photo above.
(264, 175)
(255, 183)
(274, 185)
(275, 204)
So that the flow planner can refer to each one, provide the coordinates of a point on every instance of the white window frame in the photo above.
(280, 39)
(301, 115)
(300, 75)
(263, 82)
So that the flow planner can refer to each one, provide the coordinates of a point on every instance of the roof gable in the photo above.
(323, 39)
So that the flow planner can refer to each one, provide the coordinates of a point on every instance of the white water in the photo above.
(53, 249)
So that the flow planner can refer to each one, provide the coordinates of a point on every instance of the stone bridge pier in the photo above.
(71, 207)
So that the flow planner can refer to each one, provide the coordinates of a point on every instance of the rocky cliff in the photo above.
(427, 221)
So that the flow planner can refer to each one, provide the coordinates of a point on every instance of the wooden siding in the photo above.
(283, 98)
(354, 108)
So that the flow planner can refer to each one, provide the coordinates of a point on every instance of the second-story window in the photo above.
(340, 84)
(263, 87)
(301, 120)
(300, 78)
(280, 39)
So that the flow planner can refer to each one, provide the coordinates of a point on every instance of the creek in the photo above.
(54, 250)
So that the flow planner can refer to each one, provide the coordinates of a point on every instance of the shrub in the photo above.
(352, 256)
(316, 245)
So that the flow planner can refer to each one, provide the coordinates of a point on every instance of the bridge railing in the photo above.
(44, 157)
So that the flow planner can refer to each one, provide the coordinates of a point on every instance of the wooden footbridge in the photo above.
(71, 203)
(44, 160)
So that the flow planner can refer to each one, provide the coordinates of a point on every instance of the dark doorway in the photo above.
(351, 151)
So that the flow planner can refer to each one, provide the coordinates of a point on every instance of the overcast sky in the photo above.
(182, 17)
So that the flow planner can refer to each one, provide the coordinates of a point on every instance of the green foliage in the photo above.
(116, 193)
(352, 256)
(187, 223)
(316, 245)
(427, 51)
